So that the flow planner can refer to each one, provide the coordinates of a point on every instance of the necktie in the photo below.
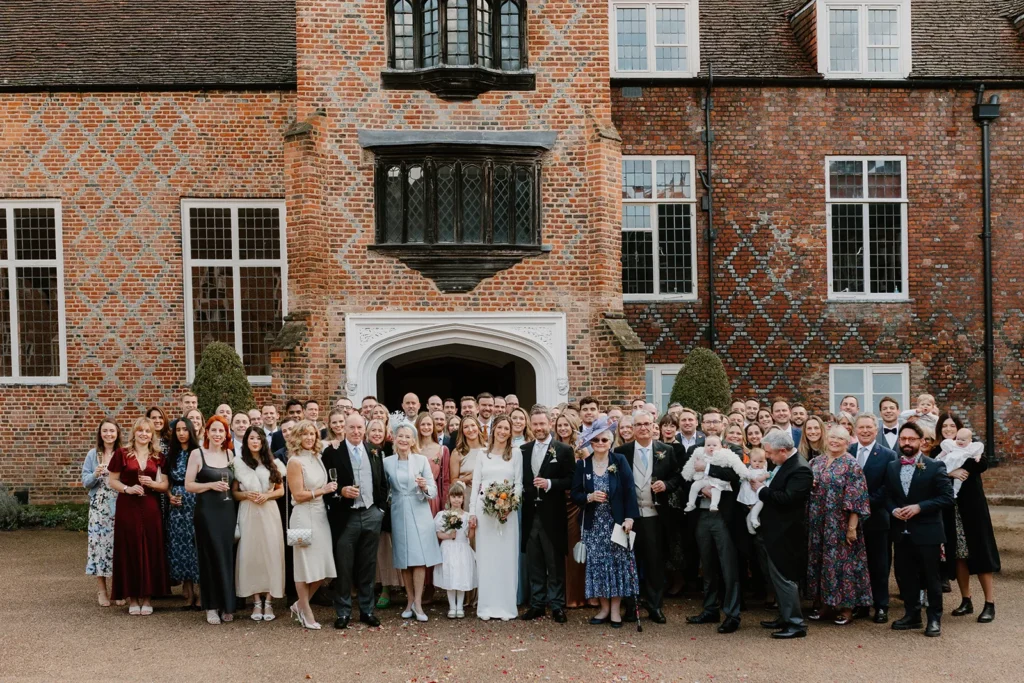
(887, 430)
(862, 456)
(908, 461)
(643, 457)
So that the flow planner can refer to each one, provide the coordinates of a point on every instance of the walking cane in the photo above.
(636, 598)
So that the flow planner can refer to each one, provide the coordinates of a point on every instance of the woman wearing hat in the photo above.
(603, 486)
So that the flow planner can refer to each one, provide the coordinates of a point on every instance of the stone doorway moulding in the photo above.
(538, 338)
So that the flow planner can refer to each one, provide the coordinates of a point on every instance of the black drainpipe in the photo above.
(708, 205)
(984, 114)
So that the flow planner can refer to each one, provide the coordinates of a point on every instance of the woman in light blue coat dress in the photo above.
(412, 525)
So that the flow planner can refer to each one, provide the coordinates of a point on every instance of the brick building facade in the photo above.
(368, 197)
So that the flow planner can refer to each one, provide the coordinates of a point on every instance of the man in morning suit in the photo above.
(783, 530)
(355, 512)
(874, 460)
(548, 467)
(917, 490)
(656, 474)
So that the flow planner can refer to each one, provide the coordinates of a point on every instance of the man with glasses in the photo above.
(656, 474)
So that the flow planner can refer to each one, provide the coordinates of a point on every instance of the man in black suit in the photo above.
(874, 460)
(917, 490)
(548, 467)
(887, 434)
(783, 530)
(656, 474)
(355, 512)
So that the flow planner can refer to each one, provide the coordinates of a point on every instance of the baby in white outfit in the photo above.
(956, 453)
(756, 471)
(712, 453)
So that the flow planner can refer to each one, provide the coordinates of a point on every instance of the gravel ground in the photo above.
(52, 629)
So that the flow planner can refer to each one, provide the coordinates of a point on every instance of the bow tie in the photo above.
(886, 430)
(908, 461)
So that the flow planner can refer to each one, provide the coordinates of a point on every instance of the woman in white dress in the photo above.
(468, 449)
(412, 524)
(497, 544)
(259, 482)
(307, 482)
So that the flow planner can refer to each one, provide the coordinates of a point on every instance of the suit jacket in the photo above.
(728, 499)
(880, 439)
(558, 464)
(665, 466)
(796, 433)
(339, 508)
(277, 441)
(784, 517)
(931, 488)
(874, 473)
(621, 494)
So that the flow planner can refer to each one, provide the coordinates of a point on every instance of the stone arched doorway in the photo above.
(536, 340)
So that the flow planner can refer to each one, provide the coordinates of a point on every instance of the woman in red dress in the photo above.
(140, 566)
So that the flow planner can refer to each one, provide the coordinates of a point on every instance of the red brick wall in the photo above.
(120, 164)
(777, 332)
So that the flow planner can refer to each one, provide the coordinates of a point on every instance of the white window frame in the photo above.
(869, 370)
(867, 294)
(12, 264)
(236, 263)
(904, 32)
(692, 39)
(654, 201)
(660, 370)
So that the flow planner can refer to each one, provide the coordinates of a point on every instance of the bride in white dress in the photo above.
(497, 544)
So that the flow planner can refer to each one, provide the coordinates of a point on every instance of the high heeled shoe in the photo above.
(268, 611)
(312, 625)
(420, 616)
(257, 611)
(134, 610)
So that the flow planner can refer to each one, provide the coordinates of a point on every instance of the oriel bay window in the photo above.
(457, 49)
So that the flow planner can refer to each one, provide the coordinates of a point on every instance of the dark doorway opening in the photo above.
(455, 370)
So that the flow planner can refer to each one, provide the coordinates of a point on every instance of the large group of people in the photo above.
(544, 509)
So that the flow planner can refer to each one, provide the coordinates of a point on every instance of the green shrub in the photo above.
(10, 510)
(13, 515)
(220, 378)
(702, 383)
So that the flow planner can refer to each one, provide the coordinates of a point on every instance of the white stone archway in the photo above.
(538, 338)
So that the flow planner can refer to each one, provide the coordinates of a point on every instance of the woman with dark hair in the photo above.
(195, 416)
(209, 476)
(765, 420)
(970, 541)
(259, 565)
(181, 530)
(667, 428)
(161, 426)
(140, 566)
(752, 435)
(102, 506)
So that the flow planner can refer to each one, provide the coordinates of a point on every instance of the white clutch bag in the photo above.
(579, 551)
(299, 538)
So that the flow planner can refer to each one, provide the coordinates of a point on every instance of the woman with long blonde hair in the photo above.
(468, 448)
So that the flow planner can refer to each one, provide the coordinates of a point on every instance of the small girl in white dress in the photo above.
(756, 471)
(956, 452)
(457, 571)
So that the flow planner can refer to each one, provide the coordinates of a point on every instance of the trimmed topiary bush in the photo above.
(702, 383)
(220, 378)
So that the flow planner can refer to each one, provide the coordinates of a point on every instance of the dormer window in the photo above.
(654, 39)
(864, 39)
(457, 48)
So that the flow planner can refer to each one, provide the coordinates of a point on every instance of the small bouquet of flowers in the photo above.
(451, 521)
(500, 500)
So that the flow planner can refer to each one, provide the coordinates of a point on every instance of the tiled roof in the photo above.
(146, 43)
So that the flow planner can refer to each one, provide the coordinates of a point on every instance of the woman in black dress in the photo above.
(970, 541)
(209, 476)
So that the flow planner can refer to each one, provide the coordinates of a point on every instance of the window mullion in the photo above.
(652, 34)
(862, 27)
(473, 54)
(236, 281)
(655, 245)
(442, 30)
(457, 170)
(866, 209)
(12, 282)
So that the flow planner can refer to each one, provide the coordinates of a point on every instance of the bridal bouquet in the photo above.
(500, 500)
(451, 521)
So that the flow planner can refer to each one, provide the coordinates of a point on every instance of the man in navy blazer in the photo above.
(874, 460)
(781, 414)
(917, 490)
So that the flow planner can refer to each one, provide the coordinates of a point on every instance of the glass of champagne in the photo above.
(226, 478)
(332, 474)
(653, 494)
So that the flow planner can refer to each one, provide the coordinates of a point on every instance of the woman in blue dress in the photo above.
(181, 531)
(412, 524)
(102, 505)
(603, 487)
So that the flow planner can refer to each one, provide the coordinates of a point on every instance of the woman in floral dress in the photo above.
(837, 563)
(181, 532)
(102, 504)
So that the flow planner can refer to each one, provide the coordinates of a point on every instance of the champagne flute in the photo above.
(332, 474)
(226, 478)
(653, 494)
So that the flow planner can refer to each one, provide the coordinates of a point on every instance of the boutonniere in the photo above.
(659, 455)
(920, 465)
(613, 469)
(551, 452)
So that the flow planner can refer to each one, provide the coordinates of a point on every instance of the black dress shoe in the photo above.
(656, 615)
(730, 625)
(966, 607)
(595, 621)
(629, 616)
(704, 617)
(988, 614)
(908, 623)
(341, 623)
(933, 630)
(370, 620)
(790, 632)
(559, 616)
(773, 624)
(862, 613)
(881, 615)
(532, 613)
(946, 588)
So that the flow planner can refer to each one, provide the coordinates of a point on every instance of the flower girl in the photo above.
(457, 572)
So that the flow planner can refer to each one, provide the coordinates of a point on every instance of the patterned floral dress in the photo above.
(837, 572)
(100, 557)
(181, 531)
(610, 568)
